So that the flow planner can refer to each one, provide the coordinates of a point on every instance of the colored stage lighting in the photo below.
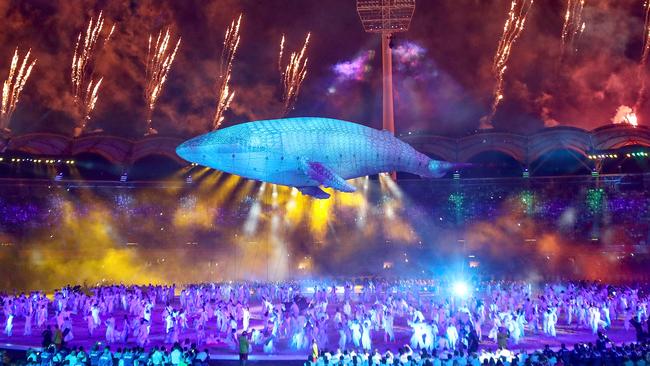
(460, 289)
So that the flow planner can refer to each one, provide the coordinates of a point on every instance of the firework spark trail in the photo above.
(573, 26)
(225, 97)
(644, 58)
(110, 34)
(513, 27)
(92, 93)
(158, 64)
(280, 55)
(293, 76)
(13, 87)
(85, 88)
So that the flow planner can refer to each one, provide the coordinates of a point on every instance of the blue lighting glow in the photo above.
(460, 289)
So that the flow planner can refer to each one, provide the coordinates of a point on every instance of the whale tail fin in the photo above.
(438, 168)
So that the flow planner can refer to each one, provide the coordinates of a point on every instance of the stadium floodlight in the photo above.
(386, 17)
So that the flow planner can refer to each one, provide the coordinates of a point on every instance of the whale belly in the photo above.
(268, 167)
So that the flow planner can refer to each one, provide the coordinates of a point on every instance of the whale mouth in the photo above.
(186, 149)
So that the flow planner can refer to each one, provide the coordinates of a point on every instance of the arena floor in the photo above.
(568, 335)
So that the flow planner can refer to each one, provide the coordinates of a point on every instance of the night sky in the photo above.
(444, 85)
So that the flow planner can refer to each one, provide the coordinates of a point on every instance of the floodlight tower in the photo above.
(386, 17)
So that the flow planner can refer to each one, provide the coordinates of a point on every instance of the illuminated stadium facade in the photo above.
(527, 149)
(524, 149)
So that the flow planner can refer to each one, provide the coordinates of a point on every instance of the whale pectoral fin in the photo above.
(315, 192)
(326, 176)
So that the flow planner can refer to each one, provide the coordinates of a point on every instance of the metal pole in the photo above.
(388, 116)
(387, 66)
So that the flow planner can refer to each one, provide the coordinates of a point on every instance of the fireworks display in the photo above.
(225, 94)
(586, 76)
(573, 26)
(293, 75)
(511, 30)
(13, 86)
(160, 57)
(85, 88)
(625, 115)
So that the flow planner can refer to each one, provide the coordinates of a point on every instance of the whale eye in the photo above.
(233, 156)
